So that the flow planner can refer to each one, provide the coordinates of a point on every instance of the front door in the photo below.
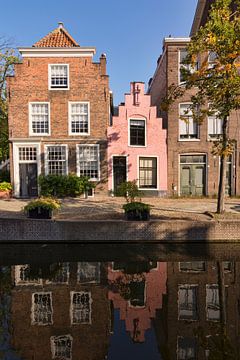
(119, 171)
(192, 175)
(28, 180)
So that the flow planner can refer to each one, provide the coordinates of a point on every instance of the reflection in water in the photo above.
(109, 310)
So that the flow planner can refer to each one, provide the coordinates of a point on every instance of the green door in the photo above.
(192, 179)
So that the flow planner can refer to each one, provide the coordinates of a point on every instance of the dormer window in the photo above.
(59, 77)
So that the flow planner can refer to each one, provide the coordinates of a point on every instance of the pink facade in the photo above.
(137, 141)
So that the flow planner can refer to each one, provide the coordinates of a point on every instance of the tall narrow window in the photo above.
(56, 160)
(58, 76)
(81, 307)
(61, 347)
(187, 348)
(214, 126)
(148, 173)
(188, 128)
(39, 118)
(212, 303)
(79, 118)
(42, 308)
(185, 67)
(137, 132)
(88, 161)
(187, 302)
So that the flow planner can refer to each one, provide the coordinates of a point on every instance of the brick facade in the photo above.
(88, 83)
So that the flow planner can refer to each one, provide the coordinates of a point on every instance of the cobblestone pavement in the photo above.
(111, 208)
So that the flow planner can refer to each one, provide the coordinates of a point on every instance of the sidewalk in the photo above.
(107, 208)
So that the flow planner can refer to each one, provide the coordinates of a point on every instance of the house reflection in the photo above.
(137, 290)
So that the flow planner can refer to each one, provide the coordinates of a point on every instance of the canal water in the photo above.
(96, 302)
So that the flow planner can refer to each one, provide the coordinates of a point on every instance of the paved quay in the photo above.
(110, 208)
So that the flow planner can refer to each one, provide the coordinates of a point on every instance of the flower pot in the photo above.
(5, 194)
(137, 215)
(40, 213)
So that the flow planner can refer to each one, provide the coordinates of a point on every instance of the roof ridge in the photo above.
(58, 37)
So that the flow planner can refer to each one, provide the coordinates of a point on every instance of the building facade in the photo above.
(58, 113)
(192, 169)
(137, 147)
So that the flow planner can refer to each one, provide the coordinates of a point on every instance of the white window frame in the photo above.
(53, 346)
(192, 70)
(96, 279)
(216, 118)
(46, 157)
(20, 282)
(145, 127)
(70, 103)
(179, 134)
(78, 159)
(31, 133)
(138, 168)
(53, 281)
(72, 308)
(50, 77)
(187, 286)
(33, 321)
(208, 286)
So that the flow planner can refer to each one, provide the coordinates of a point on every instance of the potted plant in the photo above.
(134, 210)
(5, 190)
(41, 208)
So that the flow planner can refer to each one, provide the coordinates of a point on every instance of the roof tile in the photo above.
(57, 38)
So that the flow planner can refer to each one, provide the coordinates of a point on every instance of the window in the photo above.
(42, 308)
(81, 307)
(61, 347)
(188, 128)
(187, 348)
(188, 67)
(39, 118)
(59, 76)
(228, 266)
(56, 159)
(147, 173)
(212, 303)
(192, 266)
(88, 272)
(79, 118)
(88, 161)
(60, 273)
(137, 132)
(27, 153)
(212, 59)
(214, 126)
(187, 302)
(23, 276)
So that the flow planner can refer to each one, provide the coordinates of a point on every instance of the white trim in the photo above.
(158, 177)
(72, 307)
(33, 322)
(49, 78)
(16, 175)
(119, 155)
(57, 52)
(31, 133)
(77, 160)
(198, 129)
(54, 348)
(176, 39)
(145, 128)
(45, 157)
(70, 120)
(188, 286)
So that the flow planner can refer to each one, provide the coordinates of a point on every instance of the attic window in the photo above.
(59, 77)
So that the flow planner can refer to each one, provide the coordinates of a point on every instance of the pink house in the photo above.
(137, 146)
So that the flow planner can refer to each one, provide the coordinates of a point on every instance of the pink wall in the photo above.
(118, 139)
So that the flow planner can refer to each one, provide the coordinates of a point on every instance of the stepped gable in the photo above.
(57, 38)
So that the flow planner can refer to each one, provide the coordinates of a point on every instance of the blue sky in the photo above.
(130, 32)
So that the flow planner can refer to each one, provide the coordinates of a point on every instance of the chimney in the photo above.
(103, 62)
(60, 25)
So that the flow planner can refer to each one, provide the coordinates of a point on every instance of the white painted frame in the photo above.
(70, 120)
(137, 146)
(53, 347)
(49, 78)
(72, 307)
(119, 155)
(31, 133)
(33, 322)
(198, 128)
(16, 162)
(78, 159)
(197, 291)
(158, 174)
(182, 83)
(46, 160)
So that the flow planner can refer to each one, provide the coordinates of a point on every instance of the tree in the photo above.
(217, 86)
(7, 60)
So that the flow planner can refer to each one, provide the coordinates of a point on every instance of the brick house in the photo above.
(58, 113)
(192, 169)
(137, 144)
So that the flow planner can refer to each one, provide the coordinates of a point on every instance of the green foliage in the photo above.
(129, 190)
(5, 186)
(47, 203)
(136, 206)
(5, 176)
(61, 186)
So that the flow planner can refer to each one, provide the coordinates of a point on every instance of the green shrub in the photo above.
(136, 206)
(129, 190)
(64, 185)
(5, 186)
(43, 202)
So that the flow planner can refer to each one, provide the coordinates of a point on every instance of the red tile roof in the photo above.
(57, 38)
